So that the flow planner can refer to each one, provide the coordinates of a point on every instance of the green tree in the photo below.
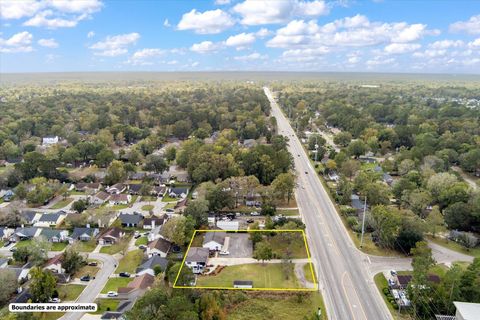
(80, 205)
(155, 163)
(174, 230)
(357, 148)
(115, 173)
(422, 261)
(72, 261)
(342, 138)
(42, 285)
(170, 153)
(283, 186)
(263, 251)
(198, 210)
(385, 221)
(8, 279)
(458, 216)
(104, 157)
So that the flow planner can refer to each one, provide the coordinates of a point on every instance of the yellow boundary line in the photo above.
(315, 288)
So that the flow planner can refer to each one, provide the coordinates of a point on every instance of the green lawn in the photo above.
(148, 199)
(289, 212)
(114, 283)
(119, 207)
(167, 198)
(69, 292)
(24, 243)
(50, 315)
(85, 246)
(296, 247)
(86, 271)
(147, 207)
(104, 305)
(130, 261)
(141, 240)
(58, 246)
(452, 245)
(170, 205)
(279, 307)
(62, 203)
(308, 272)
(77, 193)
(268, 275)
(114, 248)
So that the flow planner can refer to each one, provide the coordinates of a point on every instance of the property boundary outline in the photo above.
(310, 262)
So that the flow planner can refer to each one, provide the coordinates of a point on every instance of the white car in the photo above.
(55, 300)
(224, 253)
(254, 213)
(112, 294)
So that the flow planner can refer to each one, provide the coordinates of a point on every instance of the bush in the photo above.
(352, 222)
(386, 291)
(347, 211)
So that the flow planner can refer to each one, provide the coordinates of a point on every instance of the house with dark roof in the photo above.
(25, 233)
(92, 187)
(357, 204)
(134, 188)
(83, 234)
(54, 235)
(50, 219)
(404, 280)
(99, 198)
(130, 220)
(197, 259)
(149, 265)
(243, 284)
(214, 241)
(141, 283)
(158, 191)
(159, 247)
(138, 175)
(31, 217)
(112, 315)
(178, 192)
(9, 194)
(110, 236)
(152, 222)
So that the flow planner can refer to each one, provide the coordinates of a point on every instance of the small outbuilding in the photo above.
(243, 284)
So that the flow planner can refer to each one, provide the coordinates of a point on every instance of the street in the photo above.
(345, 281)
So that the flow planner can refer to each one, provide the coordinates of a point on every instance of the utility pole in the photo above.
(363, 221)
(316, 148)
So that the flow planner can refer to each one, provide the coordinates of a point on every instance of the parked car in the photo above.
(7, 243)
(112, 294)
(124, 274)
(224, 253)
(85, 278)
(55, 300)
(170, 210)
(136, 234)
(250, 221)
(13, 249)
(142, 246)
(391, 282)
(393, 272)
(254, 213)
(93, 263)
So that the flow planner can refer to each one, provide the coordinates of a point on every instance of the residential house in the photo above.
(134, 188)
(50, 219)
(197, 259)
(54, 235)
(9, 194)
(404, 280)
(466, 310)
(31, 217)
(249, 143)
(83, 234)
(99, 198)
(214, 241)
(50, 140)
(117, 188)
(140, 283)
(112, 315)
(27, 233)
(159, 247)
(149, 265)
(152, 222)
(333, 176)
(130, 220)
(227, 225)
(158, 191)
(387, 179)
(116, 199)
(178, 192)
(55, 264)
(22, 274)
(93, 187)
(110, 236)
(181, 205)
(357, 204)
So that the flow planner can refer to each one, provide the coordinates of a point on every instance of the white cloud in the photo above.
(356, 31)
(205, 47)
(19, 42)
(195, 64)
(49, 43)
(255, 12)
(430, 53)
(49, 13)
(475, 43)
(166, 23)
(208, 22)
(304, 54)
(45, 19)
(91, 34)
(263, 32)
(399, 48)
(444, 44)
(471, 26)
(115, 45)
(353, 60)
(376, 61)
(172, 62)
(241, 40)
(251, 57)
(222, 2)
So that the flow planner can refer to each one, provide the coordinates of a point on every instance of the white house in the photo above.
(197, 259)
(55, 264)
(50, 140)
(117, 188)
(116, 199)
(50, 219)
(99, 198)
(466, 310)
(159, 247)
(214, 241)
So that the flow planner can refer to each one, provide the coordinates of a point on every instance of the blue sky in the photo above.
(215, 35)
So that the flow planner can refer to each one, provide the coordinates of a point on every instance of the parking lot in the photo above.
(240, 245)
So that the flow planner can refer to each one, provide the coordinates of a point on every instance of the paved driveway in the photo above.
(240, 245)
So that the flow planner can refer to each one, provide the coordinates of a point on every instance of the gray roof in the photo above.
(243, 282)
(3, 260)
(77, 232)
(130, 218)
(152, 262)
(50, 233)
(196, 254)
(27, 232)
(29, 215)
(179, 190)
(47, 217)
(218, 237)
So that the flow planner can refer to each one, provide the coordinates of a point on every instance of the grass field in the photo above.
(24, 243)
(50, 315)
(167, 198)
(85, 246)
(104, 305)
(86, 271)
(308, 272)
(288, 212)
(269, 275)
(147, 207)
(62, 203)
(296, 247)
(141, 240)
(69, 292)
(148, 198)
(58, 246)
(114, 283)
(114, 248)
(279, 307)
(170, 205)
(130, 261)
